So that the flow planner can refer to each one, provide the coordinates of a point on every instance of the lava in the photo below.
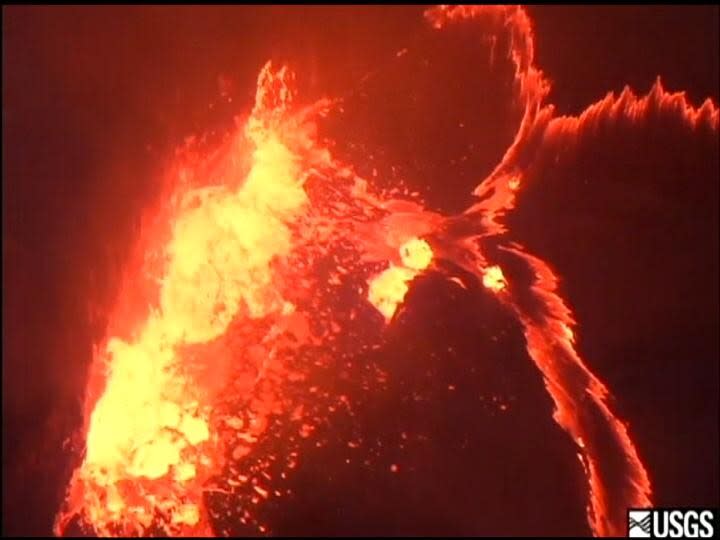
(388, 289)
(230, 306)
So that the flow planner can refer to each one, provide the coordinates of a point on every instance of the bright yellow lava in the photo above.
(494, 279)
(150, 417)
(416, 254)
(387, 289)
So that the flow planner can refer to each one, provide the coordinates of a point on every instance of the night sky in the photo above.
(94, 101)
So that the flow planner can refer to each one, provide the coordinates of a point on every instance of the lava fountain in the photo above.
(230, 305)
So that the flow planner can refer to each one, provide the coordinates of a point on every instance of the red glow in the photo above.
(209, 342)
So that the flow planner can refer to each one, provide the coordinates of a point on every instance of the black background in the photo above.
(94, 99)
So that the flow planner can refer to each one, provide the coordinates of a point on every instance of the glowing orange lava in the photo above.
(207, 349)
(387, 290)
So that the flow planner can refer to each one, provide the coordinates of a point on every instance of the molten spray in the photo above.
(229, 307)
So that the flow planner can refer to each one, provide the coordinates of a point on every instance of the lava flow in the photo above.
(231, 306)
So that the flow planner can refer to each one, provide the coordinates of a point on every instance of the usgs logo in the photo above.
(672, 523)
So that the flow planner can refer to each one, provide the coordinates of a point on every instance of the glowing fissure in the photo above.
(211, 356)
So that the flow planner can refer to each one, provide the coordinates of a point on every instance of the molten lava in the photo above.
(387, 290)
(230, 307)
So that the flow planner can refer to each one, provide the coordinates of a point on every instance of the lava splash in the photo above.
(253, 273)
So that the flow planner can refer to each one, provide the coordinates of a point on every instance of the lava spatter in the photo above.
(261, 259)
